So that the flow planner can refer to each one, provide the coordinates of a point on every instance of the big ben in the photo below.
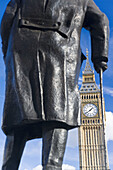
(92, 150)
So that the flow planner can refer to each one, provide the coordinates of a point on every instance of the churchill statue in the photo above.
(42, 56)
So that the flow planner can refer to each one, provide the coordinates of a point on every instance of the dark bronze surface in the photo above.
(41, 46)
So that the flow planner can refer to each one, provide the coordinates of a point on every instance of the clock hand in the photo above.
(89, 110)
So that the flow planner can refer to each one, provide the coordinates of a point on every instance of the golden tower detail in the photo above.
(91, 133)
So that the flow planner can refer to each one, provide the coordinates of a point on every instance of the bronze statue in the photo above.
(41, 47)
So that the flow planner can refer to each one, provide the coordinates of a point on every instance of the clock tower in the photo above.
(91, 134)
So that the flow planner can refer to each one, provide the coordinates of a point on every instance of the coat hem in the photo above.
(35, 127)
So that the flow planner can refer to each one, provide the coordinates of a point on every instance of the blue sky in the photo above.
(32, 153)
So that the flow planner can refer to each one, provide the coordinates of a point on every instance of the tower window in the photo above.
(91, 79)
(90, 89)
(86, 79)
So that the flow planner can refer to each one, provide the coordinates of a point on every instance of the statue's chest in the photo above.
(48, 8)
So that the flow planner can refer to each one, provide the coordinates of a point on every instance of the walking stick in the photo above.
(103, 116)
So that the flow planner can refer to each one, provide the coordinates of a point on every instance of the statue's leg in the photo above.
(14, 147)
(54, 142)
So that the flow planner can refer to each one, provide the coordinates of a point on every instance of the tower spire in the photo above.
(88, 69)
(88, 84)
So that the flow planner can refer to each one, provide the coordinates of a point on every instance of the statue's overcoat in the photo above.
(41, 46)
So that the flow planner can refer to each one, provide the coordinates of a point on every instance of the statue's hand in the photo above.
(100, 65)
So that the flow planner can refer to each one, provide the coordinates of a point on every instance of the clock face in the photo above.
(90, 110)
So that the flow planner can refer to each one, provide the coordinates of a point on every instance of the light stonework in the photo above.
(91, 133)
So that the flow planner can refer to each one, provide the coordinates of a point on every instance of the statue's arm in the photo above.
(6, 23)
(98, 25)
